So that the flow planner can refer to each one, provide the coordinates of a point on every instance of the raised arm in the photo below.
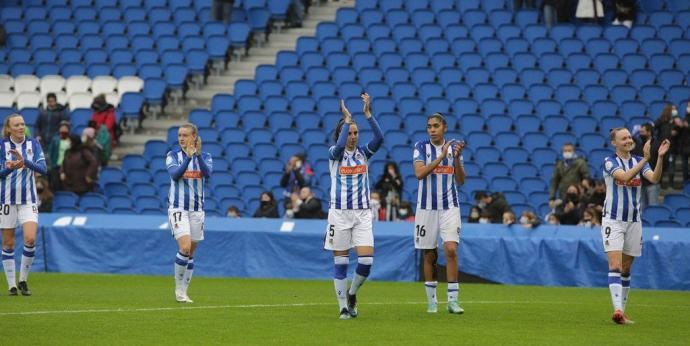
(376, 142)
(620, 174)
(336, 152)
(421, 171)
(459, 168)
(655, 176)
(206, 165)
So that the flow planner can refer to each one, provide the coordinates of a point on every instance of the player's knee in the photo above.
(184, 249)
(30, 242)
(451, 252)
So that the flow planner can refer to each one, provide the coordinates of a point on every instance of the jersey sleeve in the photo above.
(38, 152)
(646, 168)
(610, 165)
(334, 153)
(171, 160)
(418, 154)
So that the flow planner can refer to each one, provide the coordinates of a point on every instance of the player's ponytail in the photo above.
(6, 127)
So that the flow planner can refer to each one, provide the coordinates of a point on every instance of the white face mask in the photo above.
(524, 220)
(403, 213)
(474, 215)
(568, 155)
(482, 220)
(375, 204)
(553, 222)
(587, 223)
(674, 112)
(481, 205)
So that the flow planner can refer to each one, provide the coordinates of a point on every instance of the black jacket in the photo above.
(310, 209)
(269, 211)
(49, 123)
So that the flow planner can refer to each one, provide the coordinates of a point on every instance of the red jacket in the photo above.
(107, 118)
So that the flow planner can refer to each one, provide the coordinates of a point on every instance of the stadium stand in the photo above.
(514, 90)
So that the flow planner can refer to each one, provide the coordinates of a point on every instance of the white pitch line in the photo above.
(259, 306)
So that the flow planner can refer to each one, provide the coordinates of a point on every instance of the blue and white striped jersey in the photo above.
(350, 170)
(438, 190)
(623, 199)
(187, 178)
(19, 186)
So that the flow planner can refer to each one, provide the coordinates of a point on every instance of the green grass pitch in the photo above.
(69, 309)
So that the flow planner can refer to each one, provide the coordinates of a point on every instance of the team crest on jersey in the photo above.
(607, 243)
(358, 156)
(608, 165)
(28, 151)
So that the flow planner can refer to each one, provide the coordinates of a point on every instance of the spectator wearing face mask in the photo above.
(590, 218)
(390, 185)
(45, 196)
(553, 220)
(233, 212)
(56, 153)
(267, 207)
(298, 174)
(597, 198)
(493, 205)
(529, 220)
(79, 169)
(49, 120)
(569, 211)
(509, 218)
(485, 217)
(378, 213)
(650, 192)
(571, 170)
(474, 215)
(405, 212)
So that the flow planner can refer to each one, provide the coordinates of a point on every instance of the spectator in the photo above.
(493, 205)
(49, 120)
(298, 174)
(45, 196)
(485, 217)
(569, 210)
(650, 192)
(306, 205)
(508, 218)
(683, 145)
(233, 212)
(268, 207)
(553, 220)
(590, 218)
(88, 138)
(104, 142)
(56, 154)
(104, 114)
(626, 12)
(664, 126)
(571, 170)
(474, 215)
(391, 187)
(596, 199)
(378, 213)
(556, 11)
(589, 11)
(529, 219)
(79, 168)
(3, 35)
(405, 212)
(222, 10)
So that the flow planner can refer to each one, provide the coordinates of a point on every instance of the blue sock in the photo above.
(361, 273)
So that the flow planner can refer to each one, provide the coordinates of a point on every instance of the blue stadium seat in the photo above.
(676, 201)
(532, 184)
(656, 213)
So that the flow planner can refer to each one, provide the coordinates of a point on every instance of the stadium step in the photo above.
(224, 83)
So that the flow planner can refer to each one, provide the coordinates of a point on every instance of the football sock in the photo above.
(616, 289)
(361, 273)
(340, 280)
(27, 261)
(180, 267)
(453, 288)
(430, 287)
(625, 281)
(188, 274)
(9, 266)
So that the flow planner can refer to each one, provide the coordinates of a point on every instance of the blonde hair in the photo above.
(612, 134)
(6, 127)
(195, 133)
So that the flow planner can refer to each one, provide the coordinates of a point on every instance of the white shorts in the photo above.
(622, 236)
(183, 222)
(13, 215)
(430, 224)
(348, 228)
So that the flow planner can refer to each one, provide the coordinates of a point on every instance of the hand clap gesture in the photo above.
(346, 113)
(367, 105)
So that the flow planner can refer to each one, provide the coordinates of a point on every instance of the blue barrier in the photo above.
(560, 256)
